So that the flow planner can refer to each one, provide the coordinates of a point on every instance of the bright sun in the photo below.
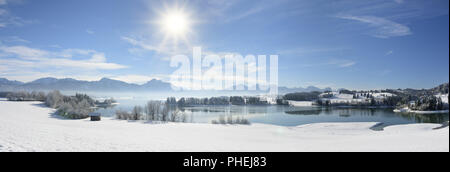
(175, 23)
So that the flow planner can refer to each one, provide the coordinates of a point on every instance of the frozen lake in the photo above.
(281, 115)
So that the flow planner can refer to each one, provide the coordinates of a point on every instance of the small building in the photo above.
(95, 116)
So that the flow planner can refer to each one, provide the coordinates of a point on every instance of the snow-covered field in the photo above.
(29, 126)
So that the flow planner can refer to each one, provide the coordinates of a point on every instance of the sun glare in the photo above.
(175, 24)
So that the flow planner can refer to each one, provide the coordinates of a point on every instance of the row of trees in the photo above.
(398, 99)
(345, 91)
(230, 120)
(169, 112)
(428, 103)
(106, 103)
(153, 111)
(233, 100)
(26, 96)
(303, 96)
(73, 107)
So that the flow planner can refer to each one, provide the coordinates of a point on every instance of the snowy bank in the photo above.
(300, 103)
(29, 126)
(407, 110)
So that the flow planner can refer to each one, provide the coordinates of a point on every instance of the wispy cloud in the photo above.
(25, 63)
(26, 57)
(15, 39)
(245, 14)
(89, 31)
(3, 12)
(339, 63)
(8, 19)
(140, 46)
(233, 10)
(3, 2)
(6, 2)
(347, 64)
(342, 63)
(380, 27)
(299, 51)
(389, 53)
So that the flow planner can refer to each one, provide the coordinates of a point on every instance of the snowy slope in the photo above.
(444, 97)
(28, 126)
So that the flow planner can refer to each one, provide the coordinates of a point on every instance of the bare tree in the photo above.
(174, 116)
(152, 110)
(136, 114)
(230, 119)
(183, 118)
(165, 113)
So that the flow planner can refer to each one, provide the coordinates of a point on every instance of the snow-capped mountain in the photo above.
(69, 84)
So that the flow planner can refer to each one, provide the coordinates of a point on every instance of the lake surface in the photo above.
(287, 115)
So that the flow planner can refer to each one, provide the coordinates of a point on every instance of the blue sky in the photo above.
(352, 44)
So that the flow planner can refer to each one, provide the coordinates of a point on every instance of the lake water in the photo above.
(288, 116)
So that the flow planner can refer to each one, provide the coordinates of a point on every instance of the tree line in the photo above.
(153, 111)
(225, 100)
(72, 107)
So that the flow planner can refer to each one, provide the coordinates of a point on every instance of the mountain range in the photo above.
(106, 84)
(69, 84)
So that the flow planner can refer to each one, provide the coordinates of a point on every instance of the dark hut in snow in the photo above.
(95, 116)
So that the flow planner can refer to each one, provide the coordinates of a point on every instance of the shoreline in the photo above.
(420, 112)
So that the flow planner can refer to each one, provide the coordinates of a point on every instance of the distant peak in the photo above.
(154, 81)
(45, 79)
(107, 79)
(6, 81)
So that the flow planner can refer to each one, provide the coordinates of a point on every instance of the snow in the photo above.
(428, 112)
(343, 96)
(444, 97)
(339, 98)
(407, 110)
(29, 126)
(300, 103)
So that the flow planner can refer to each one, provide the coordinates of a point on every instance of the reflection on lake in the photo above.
(290, 116)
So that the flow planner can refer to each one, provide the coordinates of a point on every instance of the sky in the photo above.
(354, 44)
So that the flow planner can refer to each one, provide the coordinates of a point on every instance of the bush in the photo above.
(123, 115)
(25, 96)
(54, 99)
(74, 110)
